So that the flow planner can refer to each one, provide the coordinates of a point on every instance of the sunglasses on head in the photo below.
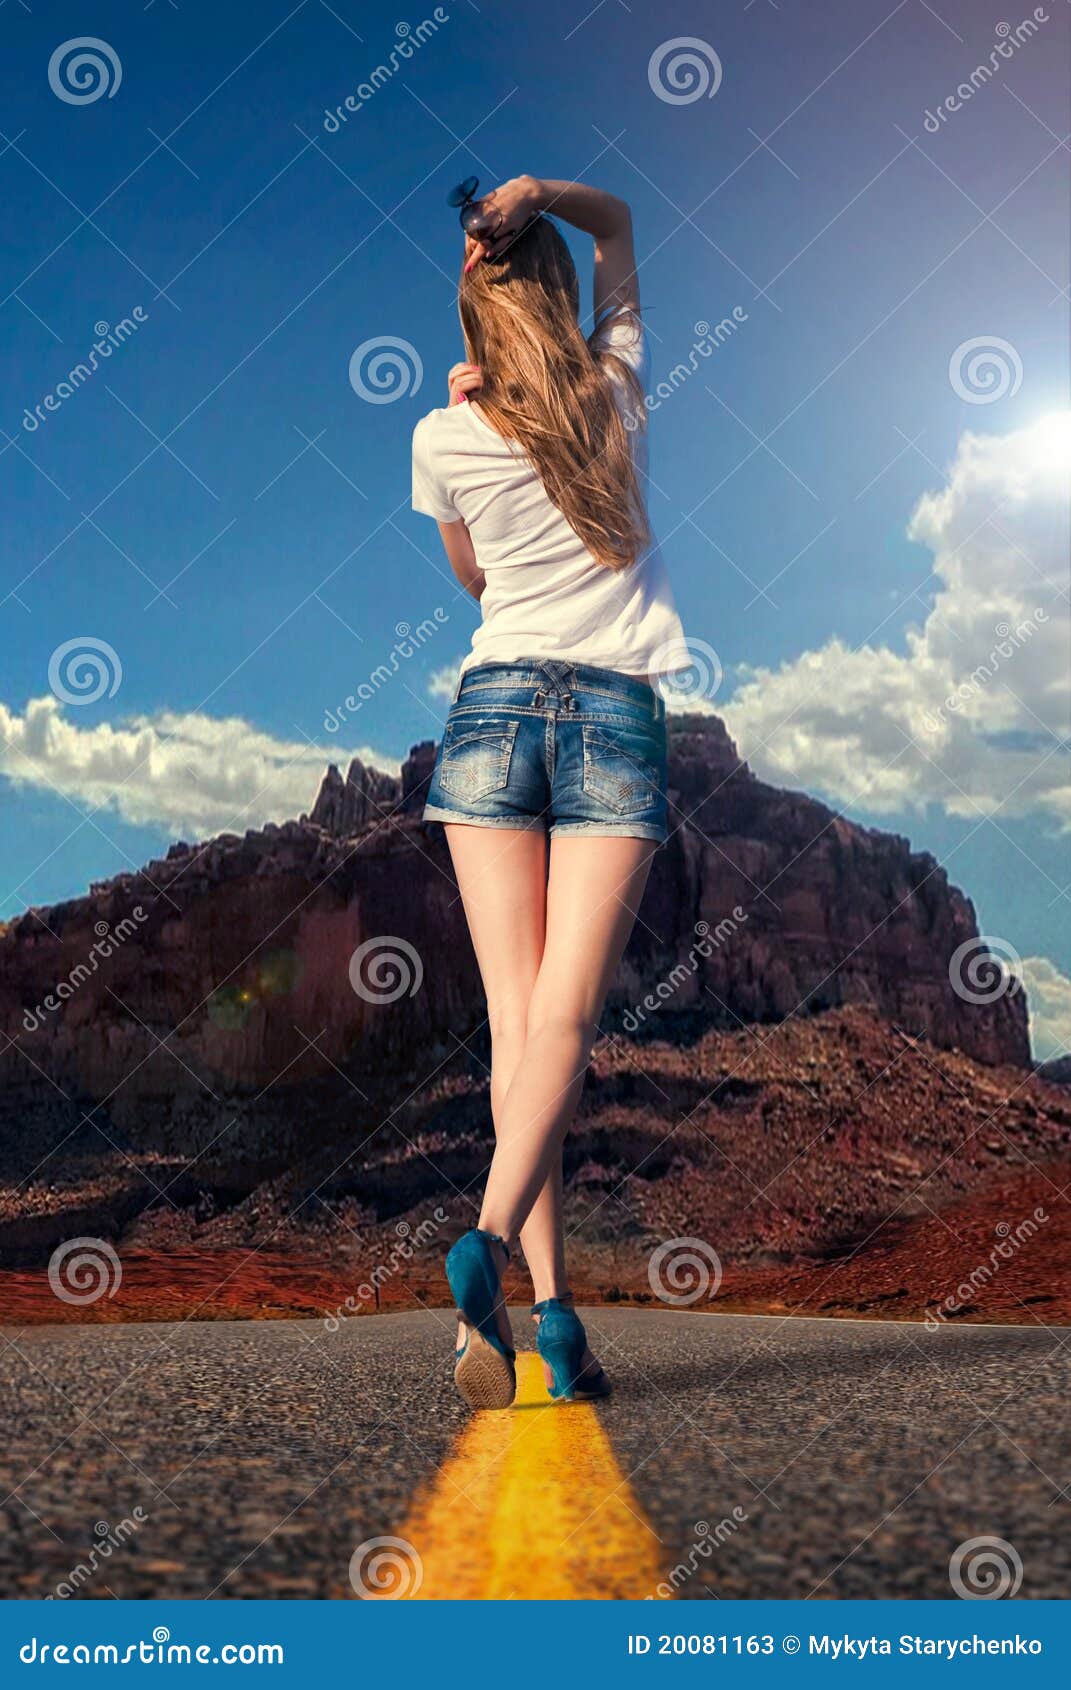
(464, 196)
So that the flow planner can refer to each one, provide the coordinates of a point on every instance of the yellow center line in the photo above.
(545, 1510)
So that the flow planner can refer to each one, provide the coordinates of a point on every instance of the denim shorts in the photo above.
(559, 746)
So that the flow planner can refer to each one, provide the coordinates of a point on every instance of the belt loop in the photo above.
(550, 679)
(457, 689)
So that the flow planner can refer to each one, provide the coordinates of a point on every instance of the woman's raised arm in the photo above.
(507, 209)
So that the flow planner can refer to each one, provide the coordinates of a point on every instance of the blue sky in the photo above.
(221, 507)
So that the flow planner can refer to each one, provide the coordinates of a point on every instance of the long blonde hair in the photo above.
(544, 388)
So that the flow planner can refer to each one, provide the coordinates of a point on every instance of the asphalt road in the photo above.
(758, 1457)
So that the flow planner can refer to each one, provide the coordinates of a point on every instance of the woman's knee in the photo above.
(560, 1023)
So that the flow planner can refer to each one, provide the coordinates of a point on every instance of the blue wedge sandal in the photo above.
(485, 1371)
(561, 1341)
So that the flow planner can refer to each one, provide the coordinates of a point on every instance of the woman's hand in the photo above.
(503, 213)
(463, 380)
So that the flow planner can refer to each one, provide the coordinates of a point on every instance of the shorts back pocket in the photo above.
(476, 756)
(623, 767)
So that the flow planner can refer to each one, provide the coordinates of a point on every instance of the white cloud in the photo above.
(442, 683)
(975, 712)
(1048, 993)
(188, 775)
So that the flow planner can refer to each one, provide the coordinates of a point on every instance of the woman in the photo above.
(550, 779)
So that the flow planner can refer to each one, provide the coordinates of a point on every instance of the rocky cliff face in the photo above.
(238, 1002)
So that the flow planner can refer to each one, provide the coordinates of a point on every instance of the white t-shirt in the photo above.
(545, 594)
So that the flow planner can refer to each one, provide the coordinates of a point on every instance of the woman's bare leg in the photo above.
(593, 893)
(502, 874)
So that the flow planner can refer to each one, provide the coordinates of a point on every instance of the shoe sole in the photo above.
(483, 1375)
